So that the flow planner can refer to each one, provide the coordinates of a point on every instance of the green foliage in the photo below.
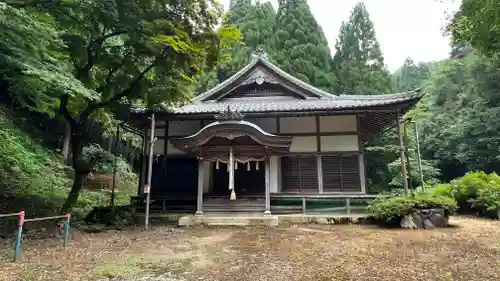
(477, 23)
(395, 207)
(299, 45)
(256, 23)
(463, 102)
(30, 63)
(411, 76)
(358, 62)
(477, 190)
(33, 178)
(443, 189)
(108, 53)
(106, 162)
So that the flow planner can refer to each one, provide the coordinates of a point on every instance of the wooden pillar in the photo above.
(319, 165)
(199, 199)
(407, 153)
(231, 169)
(362, 175)
(268, 186)
(142, 175)
(402, 152)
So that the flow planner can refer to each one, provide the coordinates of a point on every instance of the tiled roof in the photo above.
(341, 102)
(320, 100)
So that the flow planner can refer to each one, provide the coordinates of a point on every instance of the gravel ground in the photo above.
(467, 251)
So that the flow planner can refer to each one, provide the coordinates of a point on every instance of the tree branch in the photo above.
(103, 38)
(132, 86)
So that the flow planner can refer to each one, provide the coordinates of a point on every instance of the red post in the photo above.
(20, 225)
(22, 215)
(66, 229)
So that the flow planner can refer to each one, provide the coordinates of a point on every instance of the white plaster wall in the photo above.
(274, 172)
(269, 125)
(171, 150)
(206, 176)
(183, 128)
(160, 132)
(159, 147)
(342, 123)
(304, 144)
(339, 143)
(297, 125)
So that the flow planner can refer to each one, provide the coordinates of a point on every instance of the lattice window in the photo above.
(341, 173)
(299, 174)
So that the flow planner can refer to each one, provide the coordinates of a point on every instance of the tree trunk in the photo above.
(74, 193)
(66, 140)
(80, 167)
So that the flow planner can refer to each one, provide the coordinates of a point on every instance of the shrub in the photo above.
(396, 207)
(442, 189)
(466, 187)
(488, 199)
(477, 191)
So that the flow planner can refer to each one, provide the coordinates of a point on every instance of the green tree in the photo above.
(459, 114)
(299, 45)
(410, 76)
(31, 68)
(358, 62)
(128, 52)
(256, 24)
(477, 23)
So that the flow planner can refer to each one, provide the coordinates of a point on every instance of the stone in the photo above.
(417, 219)
(407, 222)
(185, 221)
(428, 224)
(324, 220)
(438, 218)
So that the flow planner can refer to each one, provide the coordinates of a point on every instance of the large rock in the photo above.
(408, 222)
(425, 218)
(439, 218)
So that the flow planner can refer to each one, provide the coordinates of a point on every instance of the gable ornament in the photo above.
(229, 114)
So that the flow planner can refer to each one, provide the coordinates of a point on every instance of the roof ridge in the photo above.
(408, 94)
(226, 82)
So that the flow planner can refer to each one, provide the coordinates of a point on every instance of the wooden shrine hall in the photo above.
(263, 135)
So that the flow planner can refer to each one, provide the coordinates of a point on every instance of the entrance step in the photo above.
(228, 220)
(222, 205)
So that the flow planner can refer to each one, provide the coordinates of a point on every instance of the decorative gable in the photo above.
(260, 83)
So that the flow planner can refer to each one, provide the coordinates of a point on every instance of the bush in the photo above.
(488, 199)
(396, 207)
(466, 188)
(477, 192)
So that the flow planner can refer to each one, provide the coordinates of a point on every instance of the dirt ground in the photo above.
(468, 251)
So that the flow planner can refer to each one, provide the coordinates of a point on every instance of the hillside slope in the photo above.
(33, 178)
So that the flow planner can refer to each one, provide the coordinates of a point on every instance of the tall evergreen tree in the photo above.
(358, 61)
(411, 75)
(299, 45)
(255, 22)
